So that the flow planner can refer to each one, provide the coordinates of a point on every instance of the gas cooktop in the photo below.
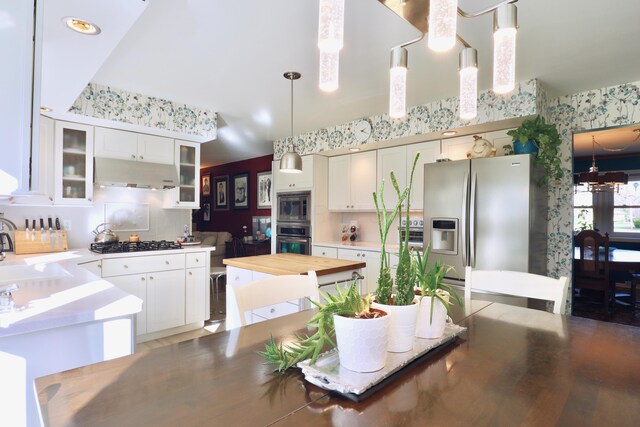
(118, 247)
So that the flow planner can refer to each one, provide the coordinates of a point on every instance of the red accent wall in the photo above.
(232, 220)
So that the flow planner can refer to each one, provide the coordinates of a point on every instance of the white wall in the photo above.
(163, 223)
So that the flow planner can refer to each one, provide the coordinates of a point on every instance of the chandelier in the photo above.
(596, 182)
(438, 19)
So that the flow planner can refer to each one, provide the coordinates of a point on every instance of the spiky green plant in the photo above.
(385, 221)
(347, 302)
(405, 274)
(431, 281)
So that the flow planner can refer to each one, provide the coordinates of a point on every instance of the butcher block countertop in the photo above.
(280, 264)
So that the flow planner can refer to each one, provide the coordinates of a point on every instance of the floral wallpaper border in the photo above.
(421, 119)
(109, 103)
(593, 109)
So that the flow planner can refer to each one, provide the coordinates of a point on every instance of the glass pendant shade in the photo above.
(398, 83)
(331, 25)
(329, 70)
(504, 48)
(468, 83)
(442, 24)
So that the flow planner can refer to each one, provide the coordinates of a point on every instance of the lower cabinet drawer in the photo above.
(143, 264)
(197, 259)
(325, 251)
(277, 310)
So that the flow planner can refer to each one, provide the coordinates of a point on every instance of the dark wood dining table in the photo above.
(619, 259)
(513, 366)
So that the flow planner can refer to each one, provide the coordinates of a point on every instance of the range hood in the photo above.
(129, 173)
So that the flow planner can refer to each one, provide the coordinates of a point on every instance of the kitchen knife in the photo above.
(58, 234)
(50, 233)
(26, 229)
(43, 236)
(33, 231)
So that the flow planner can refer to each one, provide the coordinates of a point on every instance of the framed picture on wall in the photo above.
(263, 182)
(206, 211)
(221, 193)
(241, 191)
(206, 185)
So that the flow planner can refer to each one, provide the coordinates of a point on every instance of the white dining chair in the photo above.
(519, 284)
(272, 290)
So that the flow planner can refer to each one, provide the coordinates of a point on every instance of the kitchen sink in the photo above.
(21, 273)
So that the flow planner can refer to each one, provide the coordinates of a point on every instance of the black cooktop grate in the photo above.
(119, 247)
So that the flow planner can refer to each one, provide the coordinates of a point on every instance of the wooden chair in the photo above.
(519, 284)
(272, 290)
(591, 268)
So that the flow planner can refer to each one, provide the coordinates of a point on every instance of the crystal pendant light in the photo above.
(468, 83)
(291, 162)
(505, 23)
(329, 66)
(330, 41)
(398, 83)
(442, 24)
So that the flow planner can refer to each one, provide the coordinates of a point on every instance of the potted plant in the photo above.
(434, 296)
(534, 135)
(359, 330)
(401, 306)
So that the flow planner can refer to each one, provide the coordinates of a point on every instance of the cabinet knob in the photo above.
(197, 260)
(133, 156)
(237, 278)
(166, 262)
(143, 279)
(351, 206)
(273, 310)
(126, 266)
(323, 253)
(347, 206)
(150, 277)
(190, 273)
(89, 199)
(141, 157)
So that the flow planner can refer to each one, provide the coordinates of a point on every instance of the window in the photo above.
(583, 211)
(626, 207)
(613, 213)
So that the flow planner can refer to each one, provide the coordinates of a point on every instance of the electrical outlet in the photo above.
(66, 224)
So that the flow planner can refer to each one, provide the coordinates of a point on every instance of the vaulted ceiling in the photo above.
(229, 57)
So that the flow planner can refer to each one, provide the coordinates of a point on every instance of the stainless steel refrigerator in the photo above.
(488, 213)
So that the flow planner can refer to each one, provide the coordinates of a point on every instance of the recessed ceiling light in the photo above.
(81, 26)
(45, 109)
(449, 133)
(354, 149)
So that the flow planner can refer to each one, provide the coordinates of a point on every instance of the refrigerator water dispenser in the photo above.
(444, 236)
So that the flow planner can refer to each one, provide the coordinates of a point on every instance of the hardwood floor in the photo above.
(214, 325)
(590, 306)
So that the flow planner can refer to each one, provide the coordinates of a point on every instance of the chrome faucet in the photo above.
(6, 299)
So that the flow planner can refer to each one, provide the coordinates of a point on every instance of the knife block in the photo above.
(24, 245)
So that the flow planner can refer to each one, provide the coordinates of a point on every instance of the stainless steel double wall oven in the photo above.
(293, 223)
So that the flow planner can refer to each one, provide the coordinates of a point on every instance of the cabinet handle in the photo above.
(133, 156)
(141, 157)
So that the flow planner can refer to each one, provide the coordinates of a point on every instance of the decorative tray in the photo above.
(328, 374)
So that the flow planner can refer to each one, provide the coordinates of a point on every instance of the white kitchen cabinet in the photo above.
(165, 300)
(187, 161)
(499, 139)
(429, 153)
(294, 181)
(94, 267)
(73, 164)
(195, 295)
(392, 159)
(352, 181)
(371, 271)
(135, 284)
(120, 144)
(17, 83)
(324, 251)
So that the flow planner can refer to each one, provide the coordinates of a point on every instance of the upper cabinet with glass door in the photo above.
(187, 194)
(73, 157)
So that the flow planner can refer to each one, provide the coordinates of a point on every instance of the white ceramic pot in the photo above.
(426, 326)
(402, 325)
(362, 343)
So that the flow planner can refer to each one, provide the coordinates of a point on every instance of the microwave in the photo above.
(294, 207)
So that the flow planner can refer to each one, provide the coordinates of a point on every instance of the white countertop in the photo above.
(73, 296)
